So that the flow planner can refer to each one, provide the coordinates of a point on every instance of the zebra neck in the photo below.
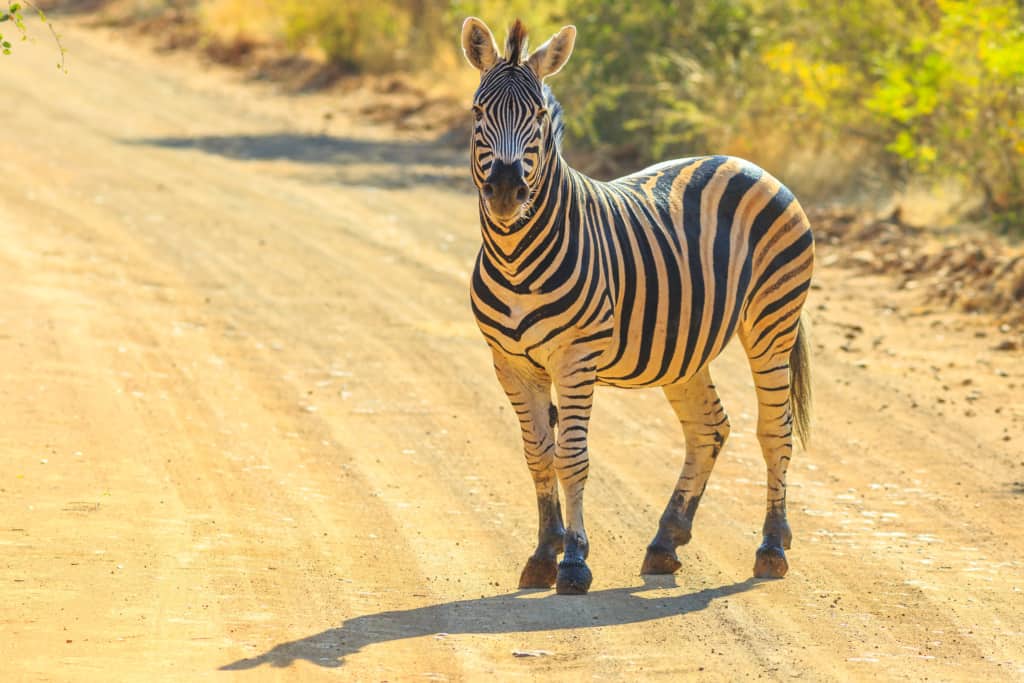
(529, 256)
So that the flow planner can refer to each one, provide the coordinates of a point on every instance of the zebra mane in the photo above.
(515, 45)
(555, 113)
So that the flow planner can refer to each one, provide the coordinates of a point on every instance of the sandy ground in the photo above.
(248, 430)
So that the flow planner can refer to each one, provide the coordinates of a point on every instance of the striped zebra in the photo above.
(637, 282)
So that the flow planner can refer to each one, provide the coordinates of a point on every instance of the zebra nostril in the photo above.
(521, 194)
(487, 190)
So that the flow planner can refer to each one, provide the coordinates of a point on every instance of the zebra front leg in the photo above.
(706, 427)
(530, 395)
(575, 392)
(775, 434)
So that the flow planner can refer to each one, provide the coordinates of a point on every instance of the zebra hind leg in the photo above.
(706, 427)
(775, 434)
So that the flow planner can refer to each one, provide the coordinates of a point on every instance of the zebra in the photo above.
(637, 282)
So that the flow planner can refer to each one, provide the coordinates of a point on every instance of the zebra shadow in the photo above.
(313, 148)
(518, 612)
(383, 163)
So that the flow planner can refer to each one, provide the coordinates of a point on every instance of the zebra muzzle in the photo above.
(505, 189)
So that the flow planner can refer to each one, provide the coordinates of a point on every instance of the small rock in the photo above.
(866, 258)
(1006, 345)
(530, 653)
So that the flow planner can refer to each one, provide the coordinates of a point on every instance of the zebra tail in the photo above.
(800, 385)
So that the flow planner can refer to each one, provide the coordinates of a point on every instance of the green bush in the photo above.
(831, 95)
(953, 100)
(936, 89)
(657, 78)
(355, 35)
(927, 90)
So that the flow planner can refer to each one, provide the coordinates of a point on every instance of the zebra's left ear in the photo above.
(552, 55)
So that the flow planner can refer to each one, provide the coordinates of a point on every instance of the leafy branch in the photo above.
(15, 14)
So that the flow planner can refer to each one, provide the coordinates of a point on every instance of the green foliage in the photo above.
(15, 14)
(352, 34)
(926, 89)
(541, 19)
(936, 88)
(953, 99)
(658, 78)
(828, 94)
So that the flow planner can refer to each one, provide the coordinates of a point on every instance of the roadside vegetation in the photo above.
(845, 100)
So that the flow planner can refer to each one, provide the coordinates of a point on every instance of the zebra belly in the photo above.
(666, 350)
(678, 305)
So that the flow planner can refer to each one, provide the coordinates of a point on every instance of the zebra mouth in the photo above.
(505, 216)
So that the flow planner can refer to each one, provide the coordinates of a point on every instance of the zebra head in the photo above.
(513, 124)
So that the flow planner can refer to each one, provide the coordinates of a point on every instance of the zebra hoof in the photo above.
(539, 572)
(573, 578)
(770, 563)
(660, 560)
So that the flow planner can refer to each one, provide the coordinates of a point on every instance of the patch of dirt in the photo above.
(975, 272)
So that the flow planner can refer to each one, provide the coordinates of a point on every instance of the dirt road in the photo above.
(249, 431)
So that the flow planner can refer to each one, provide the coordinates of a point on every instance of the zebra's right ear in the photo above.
(478, 43)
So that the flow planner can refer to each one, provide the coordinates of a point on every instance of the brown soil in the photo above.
(973, 271)
(247, 423)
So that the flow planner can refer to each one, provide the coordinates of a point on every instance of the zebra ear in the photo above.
(552, 55)
(478, 43)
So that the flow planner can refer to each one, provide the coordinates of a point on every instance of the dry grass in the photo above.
(229, 21)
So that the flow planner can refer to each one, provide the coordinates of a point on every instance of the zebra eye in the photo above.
(541, 114)
(478, 112)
